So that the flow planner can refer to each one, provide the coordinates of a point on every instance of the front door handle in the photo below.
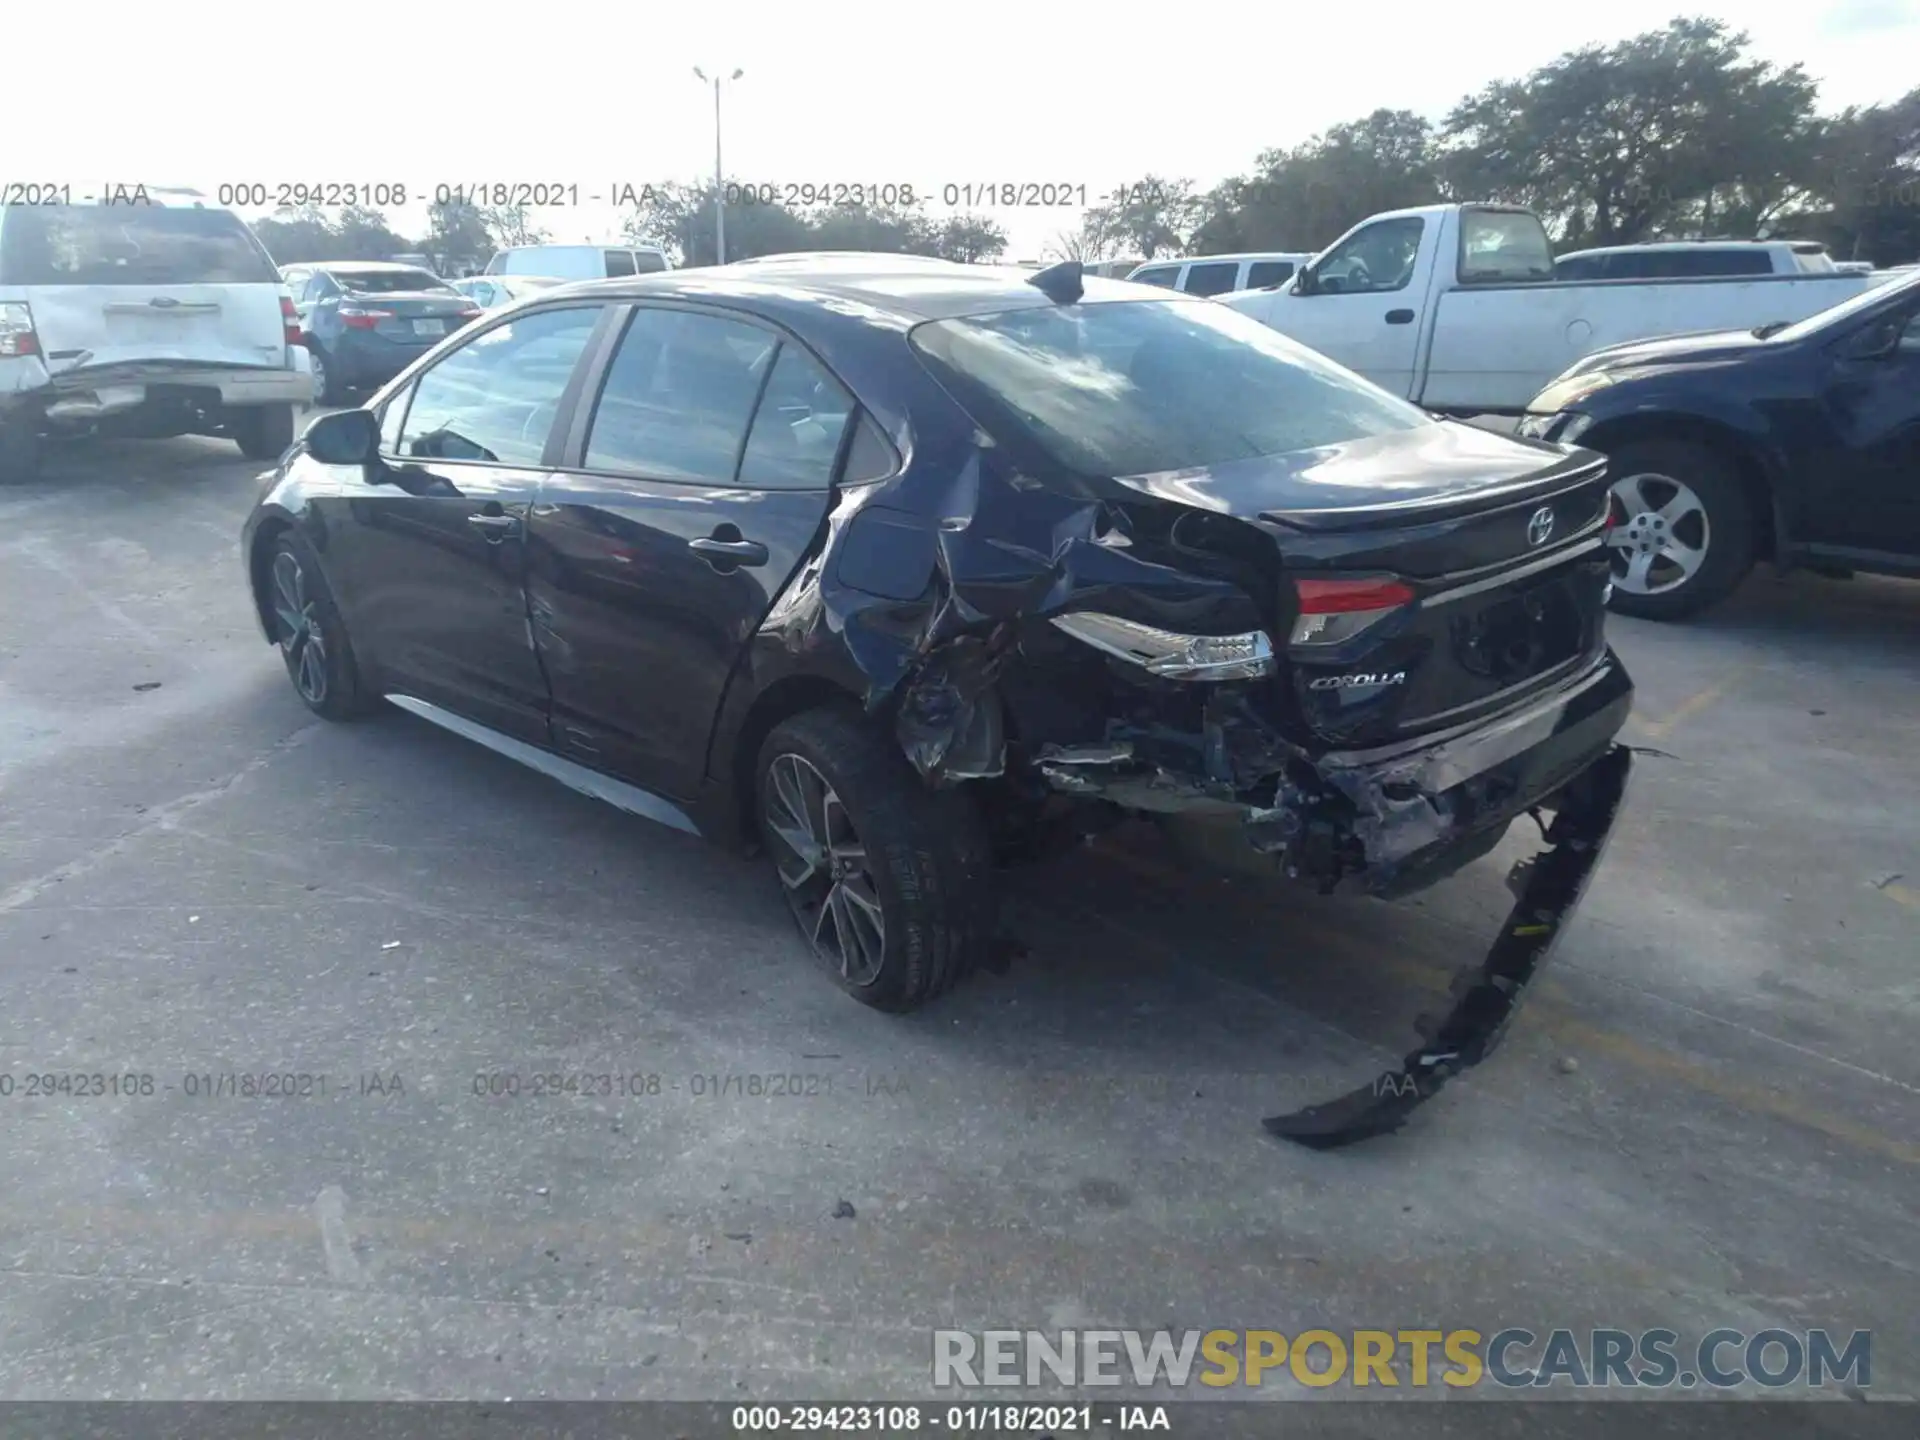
(1399, 317)
(724, 551)
(495, 525)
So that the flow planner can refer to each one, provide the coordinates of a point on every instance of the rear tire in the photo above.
(1683, 535)
(889, 882)
(263, 432)
(20, 452)
(311, 635)
(326, 386)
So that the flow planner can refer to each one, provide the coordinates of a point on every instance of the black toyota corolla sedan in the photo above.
(902, 573)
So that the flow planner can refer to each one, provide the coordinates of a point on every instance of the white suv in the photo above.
(164, 316)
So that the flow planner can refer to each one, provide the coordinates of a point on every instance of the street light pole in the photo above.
(719, 175)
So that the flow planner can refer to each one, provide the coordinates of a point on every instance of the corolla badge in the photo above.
(1352, 682)
(1540, 526)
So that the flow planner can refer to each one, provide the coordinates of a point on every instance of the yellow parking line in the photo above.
(1693, 704)
(1558, 1022)
(1901, 895)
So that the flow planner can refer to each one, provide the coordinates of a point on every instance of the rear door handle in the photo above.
(501, 525)
(1399, 317)
(738, 552)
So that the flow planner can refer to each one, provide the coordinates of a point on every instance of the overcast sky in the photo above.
(834, 91)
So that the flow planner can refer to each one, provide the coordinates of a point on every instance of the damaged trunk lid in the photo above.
(1430, 576)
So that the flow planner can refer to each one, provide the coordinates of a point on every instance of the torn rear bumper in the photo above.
(1548, 890)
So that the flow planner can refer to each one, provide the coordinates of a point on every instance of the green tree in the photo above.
(512, 225)
(457, 237)
(1614, 144)
(1305, 197)
(968, 238)
(364, 234)
(1869, 168)
(1148, 216)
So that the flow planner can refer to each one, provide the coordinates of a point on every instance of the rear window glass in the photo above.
(1164, 277)
(650, 261)
(130, 245)
(1503, 245)
(1263, 273)
(619, 262)
(389, 282)
(1140, 387)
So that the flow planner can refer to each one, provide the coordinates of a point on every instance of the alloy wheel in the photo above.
(319, 377)
(823, 869)
(1659, 536)
(302, 640)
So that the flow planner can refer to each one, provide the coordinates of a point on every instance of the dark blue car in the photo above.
(905, 571)
(366, 321)
(1798, 444)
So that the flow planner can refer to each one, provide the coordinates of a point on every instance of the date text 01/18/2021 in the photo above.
(897, 1419)
(199, 1085)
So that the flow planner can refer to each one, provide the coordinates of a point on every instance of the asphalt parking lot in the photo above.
(1708, 1116)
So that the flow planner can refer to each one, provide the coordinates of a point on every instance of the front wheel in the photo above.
(888, 881)
(263, 432)
(1683, 532)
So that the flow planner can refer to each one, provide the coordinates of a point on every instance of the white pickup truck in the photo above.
(1455, 306)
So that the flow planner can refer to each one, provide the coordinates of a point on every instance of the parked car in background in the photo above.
(1111, 269)
(1696, 259)
(863, 260)
(1220, 274)
(143, 320)
(579, 262)
(490, 292)
(1799, 445)
(1456, 307)
(367, 320)
(419, 262)
(905, 573)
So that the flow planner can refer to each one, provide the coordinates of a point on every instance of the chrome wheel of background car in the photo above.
(319, 377)
(1659, 535)
(302, 641)
(823, 867)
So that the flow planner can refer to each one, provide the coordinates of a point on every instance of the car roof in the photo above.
(1255, 255)
(581, 245)
(372, 265)
(901, 294)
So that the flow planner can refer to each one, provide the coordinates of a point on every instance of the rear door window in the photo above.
(678, 397)
(495, 399)
(650, 261)
(619, 262)
(796, 431)
(130, 245)
(1214, 279)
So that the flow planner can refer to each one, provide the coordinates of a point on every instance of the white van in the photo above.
(1221, 274)
(151, 315)
(579, 262)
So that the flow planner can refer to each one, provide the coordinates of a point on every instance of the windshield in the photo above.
(130, 245)
(1139, 387)
(389, 282)
(1846, 310)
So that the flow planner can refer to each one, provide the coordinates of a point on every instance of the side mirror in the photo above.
(1302, 281)
(346, 437)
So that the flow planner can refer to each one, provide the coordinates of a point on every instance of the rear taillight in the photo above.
(473, 314)
(17, 336)
(290, 319)
(357, 317)
(1334, 611)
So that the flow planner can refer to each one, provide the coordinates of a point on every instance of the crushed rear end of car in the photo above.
(1348, 651)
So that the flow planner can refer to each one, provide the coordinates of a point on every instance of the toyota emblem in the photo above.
(1540, 526)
